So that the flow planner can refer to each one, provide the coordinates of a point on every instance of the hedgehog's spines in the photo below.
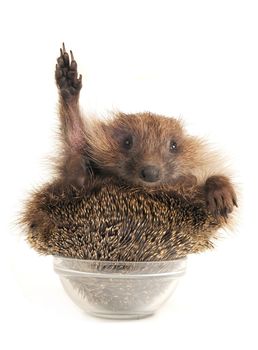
(118, 223)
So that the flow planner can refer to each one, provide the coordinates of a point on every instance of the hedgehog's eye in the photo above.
(128, 142)
(173, 146)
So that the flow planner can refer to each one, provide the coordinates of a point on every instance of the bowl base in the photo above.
(120, 316)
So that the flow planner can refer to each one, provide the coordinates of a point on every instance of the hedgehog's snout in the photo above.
(150, 173)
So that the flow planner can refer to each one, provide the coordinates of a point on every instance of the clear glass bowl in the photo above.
(117, 289)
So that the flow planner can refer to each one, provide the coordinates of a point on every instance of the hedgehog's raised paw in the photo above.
(66, 76)
(220, 196)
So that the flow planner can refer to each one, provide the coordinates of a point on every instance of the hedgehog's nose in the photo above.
(150, 173)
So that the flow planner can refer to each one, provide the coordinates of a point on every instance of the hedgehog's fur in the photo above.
(99, 206)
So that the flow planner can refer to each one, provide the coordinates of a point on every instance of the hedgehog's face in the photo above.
(145, 149)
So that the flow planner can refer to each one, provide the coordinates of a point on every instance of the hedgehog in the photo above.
(134, 187)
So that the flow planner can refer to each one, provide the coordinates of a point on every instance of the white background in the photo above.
(194, 59)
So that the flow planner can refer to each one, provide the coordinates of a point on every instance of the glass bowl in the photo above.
(117, 289)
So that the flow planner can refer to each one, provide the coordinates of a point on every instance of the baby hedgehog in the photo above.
(135, 187)
(142, 149)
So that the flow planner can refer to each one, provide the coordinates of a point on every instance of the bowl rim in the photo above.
(69, 271)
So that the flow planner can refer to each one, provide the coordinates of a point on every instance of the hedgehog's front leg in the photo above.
(220, 195)
(69, 86)
(74, 165)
